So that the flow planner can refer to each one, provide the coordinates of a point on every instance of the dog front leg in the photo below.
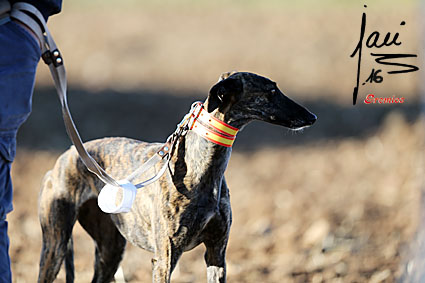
(160, 270)
(165, 260)
(215, 258)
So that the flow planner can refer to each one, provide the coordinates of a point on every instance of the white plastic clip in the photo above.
(107, 199)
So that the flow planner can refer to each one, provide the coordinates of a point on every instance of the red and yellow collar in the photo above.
(210, 128)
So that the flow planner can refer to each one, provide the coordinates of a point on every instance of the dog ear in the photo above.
(226, 75)
(224, 93)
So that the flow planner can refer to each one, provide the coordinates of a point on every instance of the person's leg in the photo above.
(5, 273)
(5, 206)
(19, 56)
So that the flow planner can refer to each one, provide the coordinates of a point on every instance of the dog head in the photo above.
(240, 97)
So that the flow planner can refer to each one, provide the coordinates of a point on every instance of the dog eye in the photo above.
(273, 91)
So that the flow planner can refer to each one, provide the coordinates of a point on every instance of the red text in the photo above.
(370, 98)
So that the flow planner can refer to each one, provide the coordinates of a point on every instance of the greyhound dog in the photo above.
(187, 206)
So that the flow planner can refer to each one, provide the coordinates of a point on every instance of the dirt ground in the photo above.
(337, 203)
(336, 212)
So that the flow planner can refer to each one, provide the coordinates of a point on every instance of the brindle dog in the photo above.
(189, 204)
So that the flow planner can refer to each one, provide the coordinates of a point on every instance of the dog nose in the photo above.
(311, 119)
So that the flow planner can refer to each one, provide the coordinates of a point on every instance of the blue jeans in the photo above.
(19, 56)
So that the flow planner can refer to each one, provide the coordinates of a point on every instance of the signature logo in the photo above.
(374, 41)
(370, 98)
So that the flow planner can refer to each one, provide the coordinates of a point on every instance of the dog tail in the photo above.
(69, 261)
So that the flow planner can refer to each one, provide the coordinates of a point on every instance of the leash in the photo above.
(198, 120)
(32, 18)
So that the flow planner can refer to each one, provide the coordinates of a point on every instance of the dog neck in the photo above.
(199, 166)
(208, 126)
